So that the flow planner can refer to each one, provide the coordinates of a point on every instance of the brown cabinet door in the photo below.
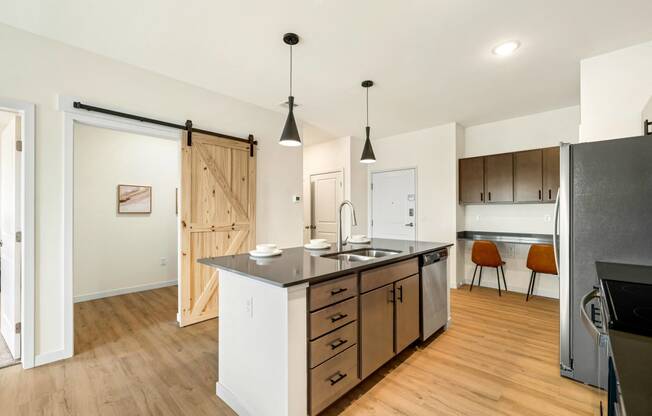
(550, 173)
(471, 177)
(499, 178)
(376, 328)
(528, 176)
(407, 311)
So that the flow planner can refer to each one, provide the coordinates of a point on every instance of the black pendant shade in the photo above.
(290, 135)
(368, 155)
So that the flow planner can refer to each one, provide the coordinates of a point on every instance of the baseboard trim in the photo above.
(230, 399)
(124, 291)
(50, 357)
(537, 292)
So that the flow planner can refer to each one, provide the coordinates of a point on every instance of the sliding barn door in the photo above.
(218, 217)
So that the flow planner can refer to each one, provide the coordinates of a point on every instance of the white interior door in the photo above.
(326, 196)
(10, 251)
(393, 204)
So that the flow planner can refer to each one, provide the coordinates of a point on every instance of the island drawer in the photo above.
(333, 317)
(333, 291)
(333, 343)
(381, 276)
(329, 381)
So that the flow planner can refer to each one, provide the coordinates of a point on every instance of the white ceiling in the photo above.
(431, 59)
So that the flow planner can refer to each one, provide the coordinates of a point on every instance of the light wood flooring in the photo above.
(500, 357)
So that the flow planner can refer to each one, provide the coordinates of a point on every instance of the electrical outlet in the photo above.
(164, 261)
(477, 218)
(511, 251)
(249, 307)
(547, 218)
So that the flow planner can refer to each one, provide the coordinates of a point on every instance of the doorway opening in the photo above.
(393, 204)
(326, 194)
(125, 222)
(10, 238)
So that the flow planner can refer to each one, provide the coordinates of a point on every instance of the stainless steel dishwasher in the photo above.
(434, 292)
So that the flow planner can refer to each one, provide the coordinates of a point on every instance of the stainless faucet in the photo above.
(339, 225)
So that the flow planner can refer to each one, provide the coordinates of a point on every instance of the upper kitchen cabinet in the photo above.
(528, 179)
(499, 178)
(471, 177)
(550, 173)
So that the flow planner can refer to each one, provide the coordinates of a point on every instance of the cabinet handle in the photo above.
(490, 196)
(336, 378)
(549, 193)
(338, 342)
(338, 291)
(338, 316)
(481, 197)
(400, 293)
(539, 194)
(391, 296)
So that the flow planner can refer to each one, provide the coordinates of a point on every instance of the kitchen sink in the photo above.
(362, 254)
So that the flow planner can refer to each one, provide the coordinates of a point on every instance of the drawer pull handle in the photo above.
(338, 291)
(336, 378)
(338, 316)
(337, 343)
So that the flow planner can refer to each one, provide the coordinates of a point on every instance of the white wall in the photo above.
(615, 88)
(539, 130)
(41, 69)
(433, 152)
(116, 253)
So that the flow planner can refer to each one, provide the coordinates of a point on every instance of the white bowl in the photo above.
(317, 241)
(265, 248)
(358, 237)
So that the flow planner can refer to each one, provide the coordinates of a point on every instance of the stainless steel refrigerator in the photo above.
(603, 213)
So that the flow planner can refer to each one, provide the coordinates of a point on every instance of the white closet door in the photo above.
(326, 196)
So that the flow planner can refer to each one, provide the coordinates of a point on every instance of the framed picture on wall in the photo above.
(134, 199)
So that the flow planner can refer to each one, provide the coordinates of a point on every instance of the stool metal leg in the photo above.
(480, 277)
(473, 280)
(505, 283)
(530, 286)
(498, 279)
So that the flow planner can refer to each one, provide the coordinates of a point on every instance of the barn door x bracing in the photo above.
(218, 216)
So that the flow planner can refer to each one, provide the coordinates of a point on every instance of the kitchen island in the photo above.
(299, 330)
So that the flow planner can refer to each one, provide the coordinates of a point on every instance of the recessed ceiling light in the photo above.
(506, 48)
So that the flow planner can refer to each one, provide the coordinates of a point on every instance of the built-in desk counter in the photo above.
(516, 238)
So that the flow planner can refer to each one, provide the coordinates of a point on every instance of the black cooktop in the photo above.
(629, 306)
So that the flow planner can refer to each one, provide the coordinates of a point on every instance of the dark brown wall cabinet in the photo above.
(472, 180)
(528, 176)
(520, 177)
(499, 178)
(550, 173)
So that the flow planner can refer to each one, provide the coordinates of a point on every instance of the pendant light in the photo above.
(290, 134)
(368, 155)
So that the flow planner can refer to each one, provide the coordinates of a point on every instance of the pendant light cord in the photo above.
(290, 70)
(367, 105)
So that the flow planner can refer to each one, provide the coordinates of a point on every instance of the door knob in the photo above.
(409, 224)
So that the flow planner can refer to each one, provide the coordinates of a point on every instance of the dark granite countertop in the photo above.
(297, 265)
(631, 353)
(501, 237)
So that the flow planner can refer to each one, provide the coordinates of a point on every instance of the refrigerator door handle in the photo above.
(555, 232)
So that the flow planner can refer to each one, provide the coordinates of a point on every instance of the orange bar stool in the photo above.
(540, 259)
(485, 254)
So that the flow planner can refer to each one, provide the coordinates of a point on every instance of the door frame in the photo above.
(307, 194)
(72, 116)
(370, 204)
(27, 307)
